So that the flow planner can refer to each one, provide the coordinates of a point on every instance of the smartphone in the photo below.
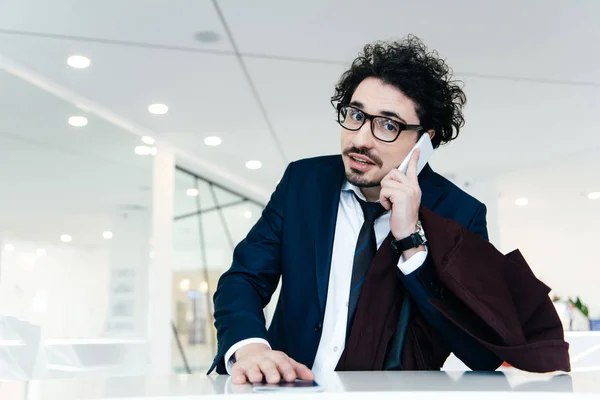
(424, 144)
(283, 386)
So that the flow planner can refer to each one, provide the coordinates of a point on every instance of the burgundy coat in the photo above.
(495, 298)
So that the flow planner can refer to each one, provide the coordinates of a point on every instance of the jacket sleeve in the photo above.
(246, 288)
(494, 298)
(423, 285)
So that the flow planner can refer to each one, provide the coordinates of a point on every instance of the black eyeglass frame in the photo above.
(401, 125)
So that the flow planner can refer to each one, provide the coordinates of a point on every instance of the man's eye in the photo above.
(357, 115)
(390, 127)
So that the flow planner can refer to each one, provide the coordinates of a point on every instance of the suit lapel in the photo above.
(326, 215)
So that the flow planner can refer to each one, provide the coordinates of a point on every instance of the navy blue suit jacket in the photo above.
(293, 239)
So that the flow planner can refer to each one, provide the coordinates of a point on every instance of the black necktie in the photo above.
(366, 247)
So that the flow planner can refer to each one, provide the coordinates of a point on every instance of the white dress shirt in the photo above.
(349, 221)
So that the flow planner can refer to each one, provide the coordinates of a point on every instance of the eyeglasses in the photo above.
(383, 128)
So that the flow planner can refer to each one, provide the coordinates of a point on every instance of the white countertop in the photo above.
(392, 385)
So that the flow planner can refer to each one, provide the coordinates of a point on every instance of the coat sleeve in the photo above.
(494, 298)
(423, 285)
(246, 288)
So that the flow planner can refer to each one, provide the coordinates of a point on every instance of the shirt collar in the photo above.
(348, 187)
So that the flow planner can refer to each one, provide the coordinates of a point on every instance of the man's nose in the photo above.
(364, 137)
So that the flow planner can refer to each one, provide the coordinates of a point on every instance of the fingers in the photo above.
(238, 374)
(395, 175)
(284, 366)
(242, 372)
(385, 203)
(302, 370)
(387, 197)
(269, 370)
(394, 184)
(273, 366)
(411, 172)
(394, 192)
(388, 193)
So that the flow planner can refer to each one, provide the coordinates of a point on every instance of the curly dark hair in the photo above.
(420, 74)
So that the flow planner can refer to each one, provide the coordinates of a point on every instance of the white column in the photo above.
(160, 271)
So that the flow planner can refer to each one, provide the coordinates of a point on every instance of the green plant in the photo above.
(577, 303)
(581, 307)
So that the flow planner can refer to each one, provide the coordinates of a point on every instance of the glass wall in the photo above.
(75, 211)
(209, 221)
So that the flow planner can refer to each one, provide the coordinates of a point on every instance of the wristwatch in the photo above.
(413, 241)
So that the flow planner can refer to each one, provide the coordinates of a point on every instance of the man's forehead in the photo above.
(376, 97)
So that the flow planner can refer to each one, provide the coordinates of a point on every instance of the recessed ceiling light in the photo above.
(148, 140)
(40, 252)
(594, 196)
(212, 141)
(66, 238)
(522, 201)
(192, 192)
(144, 150)
(9, 247)
(253, 164)
(248, 214)
(158, 109)
(184, 285)
(207, 36)
(78, 61)
(107, 235)
(78, 121)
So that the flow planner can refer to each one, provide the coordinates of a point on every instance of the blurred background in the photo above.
(140, 140)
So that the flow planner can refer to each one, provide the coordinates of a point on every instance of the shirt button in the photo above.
(335, 349)
(347, 304)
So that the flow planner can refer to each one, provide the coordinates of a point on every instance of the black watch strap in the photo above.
(411, 242)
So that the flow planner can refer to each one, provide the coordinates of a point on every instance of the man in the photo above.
(334, 223)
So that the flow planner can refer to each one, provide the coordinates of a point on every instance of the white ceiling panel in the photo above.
(509, 124)
(512, 125)
(58, 179)
(36, 118)
(541, 39)
(517, 59)
(150, 22)
(206, 94)
(297, 96)
(560, 186)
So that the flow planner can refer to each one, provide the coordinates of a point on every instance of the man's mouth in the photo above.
(361, 159)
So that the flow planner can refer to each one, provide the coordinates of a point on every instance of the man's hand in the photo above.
(402, 194)
(255, 361)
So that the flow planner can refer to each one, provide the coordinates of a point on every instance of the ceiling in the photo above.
(531, 74)
(530, 71)
(61, 179)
